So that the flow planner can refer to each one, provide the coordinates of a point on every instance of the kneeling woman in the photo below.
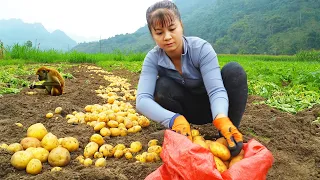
(181, 81)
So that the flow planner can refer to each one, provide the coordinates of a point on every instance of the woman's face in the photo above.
(169, 38)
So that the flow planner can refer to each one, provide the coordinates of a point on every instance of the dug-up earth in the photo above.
(293, 140)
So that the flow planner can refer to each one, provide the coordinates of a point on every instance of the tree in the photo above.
(28, 44)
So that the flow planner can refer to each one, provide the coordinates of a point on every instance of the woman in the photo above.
(181, 81)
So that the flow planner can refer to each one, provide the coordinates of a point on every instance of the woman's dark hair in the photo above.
(162, 13)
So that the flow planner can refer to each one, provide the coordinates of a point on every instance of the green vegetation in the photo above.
(288, 83)
(235, 27)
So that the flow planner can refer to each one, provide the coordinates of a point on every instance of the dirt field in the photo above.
(294, 142)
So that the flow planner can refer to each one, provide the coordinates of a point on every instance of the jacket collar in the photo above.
(165, 61)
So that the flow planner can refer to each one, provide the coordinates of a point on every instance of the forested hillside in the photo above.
(235, 26)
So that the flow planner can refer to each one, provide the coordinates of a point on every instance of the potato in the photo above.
(223, 141)
(113, 124)
(20, 159)
(198, 137)
(119, 147)
(105, 132)
(49, 141)
(87, 162)
(143, 121)
(107, 150)
(4, 146)
(219, 150)
(237, 158)
(70, 143)
(34, 166)
(58, 110)
(30, 142)
(128, 123)
(14, 147)
(195, 132)
(208, 142)
(143, 157)
(39, 153)
(118, 153)
(101, 162)
(98, 155)
(151, 157)
(97, 138)
(37, 130)
(219, 164)
(99, 126)
(153, 142)
(49, 115)
(56, 169)
(90, 149)
(157, 149)
(135, 129)
(115, 131)
(135, 146)
(123, 131)
(19, 124)
(128, 155)
(59, 156)
(201, 143)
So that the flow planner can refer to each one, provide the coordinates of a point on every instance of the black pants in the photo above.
(196, 108)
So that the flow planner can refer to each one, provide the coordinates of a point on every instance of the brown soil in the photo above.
(293, 140)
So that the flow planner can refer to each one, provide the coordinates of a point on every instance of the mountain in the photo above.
(235, 26)
(16, 31)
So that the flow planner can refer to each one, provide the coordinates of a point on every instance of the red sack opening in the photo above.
(184, 160)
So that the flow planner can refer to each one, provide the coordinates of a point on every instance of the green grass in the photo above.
(288, 83)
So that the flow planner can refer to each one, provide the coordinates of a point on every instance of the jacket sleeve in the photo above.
(145, 103)
(211, 74)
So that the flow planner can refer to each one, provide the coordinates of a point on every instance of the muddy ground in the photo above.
(293, 140)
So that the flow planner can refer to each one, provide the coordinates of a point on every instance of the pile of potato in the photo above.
(219, 150)
(41, 146)
(97, 149)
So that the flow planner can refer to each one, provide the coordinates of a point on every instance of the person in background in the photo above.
(181, 81)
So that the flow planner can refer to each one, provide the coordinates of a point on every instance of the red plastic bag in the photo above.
(184, 160)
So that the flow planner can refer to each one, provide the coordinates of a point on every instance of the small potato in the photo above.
(157, 149)
(208, 142)
(49, 115)
(58, 110)
(135, 146)
(119, 147)
(20, 159)
(107, 150)
(223, 141)
(128, 155)
(112, 124)
(4, 146)
(195, 132)
(219, 164)
(19, 124)
(59, 156)
(98, 155)
(34, 166)
(135, 129)
(123, 131)
(153, 142)
(39, 153)
(97, 138)
(118, 153)
(49, 141)
(236, 159)
(101, 162)
(56, 169)
(90, 149)
(99, 126)
(14, 147)
(198, 137)
(143, 157)
(37, 130)
(30, 142)
(115, 131)
(219, 150)
(201, 143)
(143, 121)
(151, 157)
(105, 132)
(70, 143)
(87, 162)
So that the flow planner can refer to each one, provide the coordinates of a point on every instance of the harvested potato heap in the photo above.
(97, 149)
(41, 146)
(219, 150)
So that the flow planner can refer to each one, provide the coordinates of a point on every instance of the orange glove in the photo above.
(182, 126)
(231, 133)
